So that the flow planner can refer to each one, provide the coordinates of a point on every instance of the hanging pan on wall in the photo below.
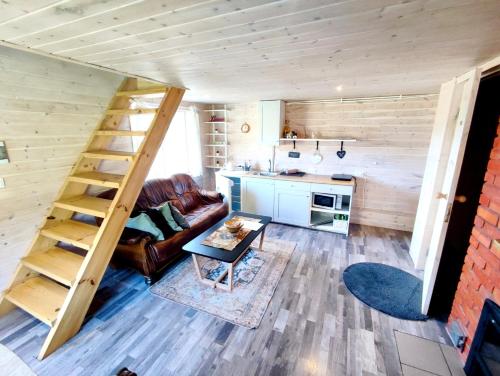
(317, 157)
(341, 152)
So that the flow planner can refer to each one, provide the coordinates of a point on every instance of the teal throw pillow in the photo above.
(178, 217)
(144, 223)
(167, 213)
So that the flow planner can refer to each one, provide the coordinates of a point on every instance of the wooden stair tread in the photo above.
(110, 154)
(40, 297)
(84, 204)
(144, 91)
(76, 233)
(102, 179)
(132, 111)
(56, 263)
(105, 132)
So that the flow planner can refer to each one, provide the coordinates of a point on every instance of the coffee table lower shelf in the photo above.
(229, 270)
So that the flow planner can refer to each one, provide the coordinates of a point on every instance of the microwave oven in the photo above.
(323, 200)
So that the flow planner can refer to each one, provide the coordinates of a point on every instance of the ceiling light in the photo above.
(339, 88)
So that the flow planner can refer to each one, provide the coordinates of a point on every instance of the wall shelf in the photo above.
(216, 138)
(345, 210)
(319, 139)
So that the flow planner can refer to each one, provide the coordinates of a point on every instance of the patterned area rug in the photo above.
(256, 277)
(12, 365)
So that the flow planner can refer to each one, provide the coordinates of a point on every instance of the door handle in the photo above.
(461, 199)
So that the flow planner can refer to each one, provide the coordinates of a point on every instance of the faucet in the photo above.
(270, 169)
(247, 166)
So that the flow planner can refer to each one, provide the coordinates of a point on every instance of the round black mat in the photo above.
(387, 289)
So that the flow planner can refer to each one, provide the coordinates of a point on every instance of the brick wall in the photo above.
(480, 277)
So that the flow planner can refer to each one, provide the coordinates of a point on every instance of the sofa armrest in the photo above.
(132, 236)
(211, 197)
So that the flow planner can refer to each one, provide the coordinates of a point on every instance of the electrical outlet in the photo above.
(2, 183)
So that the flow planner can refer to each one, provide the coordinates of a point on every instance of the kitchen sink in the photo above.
(267, 173)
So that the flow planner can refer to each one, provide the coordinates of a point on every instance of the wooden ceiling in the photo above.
(241, 50)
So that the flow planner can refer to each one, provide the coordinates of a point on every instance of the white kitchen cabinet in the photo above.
(257, 196)
(292, 206)
(272, 116)
(290, 201)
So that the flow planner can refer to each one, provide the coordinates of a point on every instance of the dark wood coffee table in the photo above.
(231, 258)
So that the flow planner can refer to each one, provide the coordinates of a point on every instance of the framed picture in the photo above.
(3, 153)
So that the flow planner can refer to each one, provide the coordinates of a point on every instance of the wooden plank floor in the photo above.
(313, 325)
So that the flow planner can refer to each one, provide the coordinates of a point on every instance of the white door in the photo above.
(292, 207)
(467, 86)
(435, 169)
(258, 196)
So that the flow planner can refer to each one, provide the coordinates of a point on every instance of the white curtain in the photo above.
(180, 151)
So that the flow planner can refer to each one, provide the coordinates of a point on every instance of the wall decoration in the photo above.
(341, 152)
(3, 153)
(245, 127)
(293, 154)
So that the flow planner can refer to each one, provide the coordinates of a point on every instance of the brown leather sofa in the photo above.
(201, 208)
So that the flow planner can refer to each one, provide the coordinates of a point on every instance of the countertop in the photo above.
(307, 178)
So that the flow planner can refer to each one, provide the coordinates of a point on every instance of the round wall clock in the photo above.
(245, 128)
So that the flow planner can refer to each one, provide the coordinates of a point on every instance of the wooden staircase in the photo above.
(54, 284)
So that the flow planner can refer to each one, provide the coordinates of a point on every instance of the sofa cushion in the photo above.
(187, 192)
(144, 223)
(166, 212)
(133, 236)
(178, 217)
(161, 222)
(159, 191)
(206, 215)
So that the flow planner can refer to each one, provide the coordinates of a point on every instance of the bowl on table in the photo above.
(233, 226)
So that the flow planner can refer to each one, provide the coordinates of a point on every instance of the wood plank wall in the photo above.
(48, 110)
(389, 158)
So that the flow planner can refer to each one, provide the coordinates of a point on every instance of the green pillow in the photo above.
(178, 217)
(144, 223)
(167, 213)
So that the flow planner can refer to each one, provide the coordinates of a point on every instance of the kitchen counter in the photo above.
(311, 201)
(307, 178)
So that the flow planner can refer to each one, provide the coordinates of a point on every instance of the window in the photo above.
(180, 151)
